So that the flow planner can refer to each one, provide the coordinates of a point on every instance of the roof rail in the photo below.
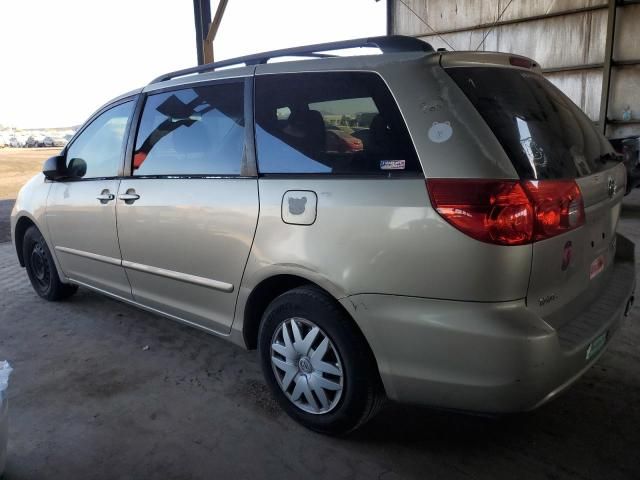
(387, 44)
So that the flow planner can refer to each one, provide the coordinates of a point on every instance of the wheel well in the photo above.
(260, 298)
(263, 294)
(21, 227)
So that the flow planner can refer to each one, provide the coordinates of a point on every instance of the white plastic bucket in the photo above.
(5, 371)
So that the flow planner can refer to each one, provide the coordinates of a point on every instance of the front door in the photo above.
(187, 213)
(81, 211)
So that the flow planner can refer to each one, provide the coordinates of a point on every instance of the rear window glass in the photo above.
(330, 123)
(545, 134)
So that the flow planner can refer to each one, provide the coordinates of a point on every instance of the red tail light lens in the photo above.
(508, 212)
(558, 206)
(487, 210)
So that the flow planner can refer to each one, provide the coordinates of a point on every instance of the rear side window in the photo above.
(545, 134)
(330, 123)
(193, 131)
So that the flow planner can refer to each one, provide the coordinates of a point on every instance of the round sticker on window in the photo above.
(440, 132)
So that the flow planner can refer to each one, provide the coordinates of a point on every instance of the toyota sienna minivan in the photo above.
(437, 228)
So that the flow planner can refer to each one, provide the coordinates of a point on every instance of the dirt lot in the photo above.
(17, 165)
(88, 400)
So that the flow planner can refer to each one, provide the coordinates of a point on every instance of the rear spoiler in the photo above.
(497, 59)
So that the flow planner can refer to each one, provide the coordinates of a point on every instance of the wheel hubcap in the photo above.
(307, 366)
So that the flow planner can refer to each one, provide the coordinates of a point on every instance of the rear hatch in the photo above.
(549, 139)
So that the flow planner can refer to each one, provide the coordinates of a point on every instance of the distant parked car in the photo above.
(31, 142)
(341, 142)
(47, 142)
(13, 142)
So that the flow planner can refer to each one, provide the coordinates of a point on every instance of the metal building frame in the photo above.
(206, 30)
(607, 65)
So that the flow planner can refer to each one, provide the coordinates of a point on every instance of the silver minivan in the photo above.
(430, 227)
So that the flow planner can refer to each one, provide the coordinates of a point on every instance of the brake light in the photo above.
(520, 62)
(558, 206)
(508, 212)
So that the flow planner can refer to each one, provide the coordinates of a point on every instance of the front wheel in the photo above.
(41, 268)
(317, 362)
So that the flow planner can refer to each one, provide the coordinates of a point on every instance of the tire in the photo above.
(342, 359)
(41, 268)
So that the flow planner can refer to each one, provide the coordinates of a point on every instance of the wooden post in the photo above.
(202, 18)
(213, 30)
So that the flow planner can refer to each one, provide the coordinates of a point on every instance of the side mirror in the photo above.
(54, 168)
(77, 168)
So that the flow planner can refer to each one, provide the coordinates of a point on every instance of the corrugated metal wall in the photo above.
(567, 37)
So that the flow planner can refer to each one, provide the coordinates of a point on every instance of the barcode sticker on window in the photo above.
(392, 164)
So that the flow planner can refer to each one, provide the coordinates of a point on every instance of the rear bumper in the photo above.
(486, 357)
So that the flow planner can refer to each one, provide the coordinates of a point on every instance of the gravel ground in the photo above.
(89, 401)
(5, 212)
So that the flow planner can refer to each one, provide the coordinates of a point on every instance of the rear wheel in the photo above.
(41, 268)
(317, 363)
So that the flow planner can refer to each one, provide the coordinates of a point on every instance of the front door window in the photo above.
(97, 151)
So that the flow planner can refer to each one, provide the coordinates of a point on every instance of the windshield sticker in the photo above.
(392, 164)
(440, 132)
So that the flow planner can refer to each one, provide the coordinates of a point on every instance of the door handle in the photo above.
(129, 197)
(105, 196)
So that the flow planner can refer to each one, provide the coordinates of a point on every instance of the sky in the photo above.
(62, 59)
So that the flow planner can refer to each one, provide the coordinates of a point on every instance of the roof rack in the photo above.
(386, 44)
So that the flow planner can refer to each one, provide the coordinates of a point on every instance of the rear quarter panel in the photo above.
(380, 236)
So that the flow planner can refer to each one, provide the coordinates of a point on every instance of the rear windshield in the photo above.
(545, 135)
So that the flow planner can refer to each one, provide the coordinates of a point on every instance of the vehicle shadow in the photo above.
(427, 427)
(5, 222)
(582, 433)
(553, 426)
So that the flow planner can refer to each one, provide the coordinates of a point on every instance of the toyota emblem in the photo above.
(611, 187)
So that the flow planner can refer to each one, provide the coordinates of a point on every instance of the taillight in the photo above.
(508, 212)
(558, 206)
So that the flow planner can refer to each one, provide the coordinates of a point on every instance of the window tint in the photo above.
(98, 149)
(544, 134)
(194, 131)
(341, 123)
